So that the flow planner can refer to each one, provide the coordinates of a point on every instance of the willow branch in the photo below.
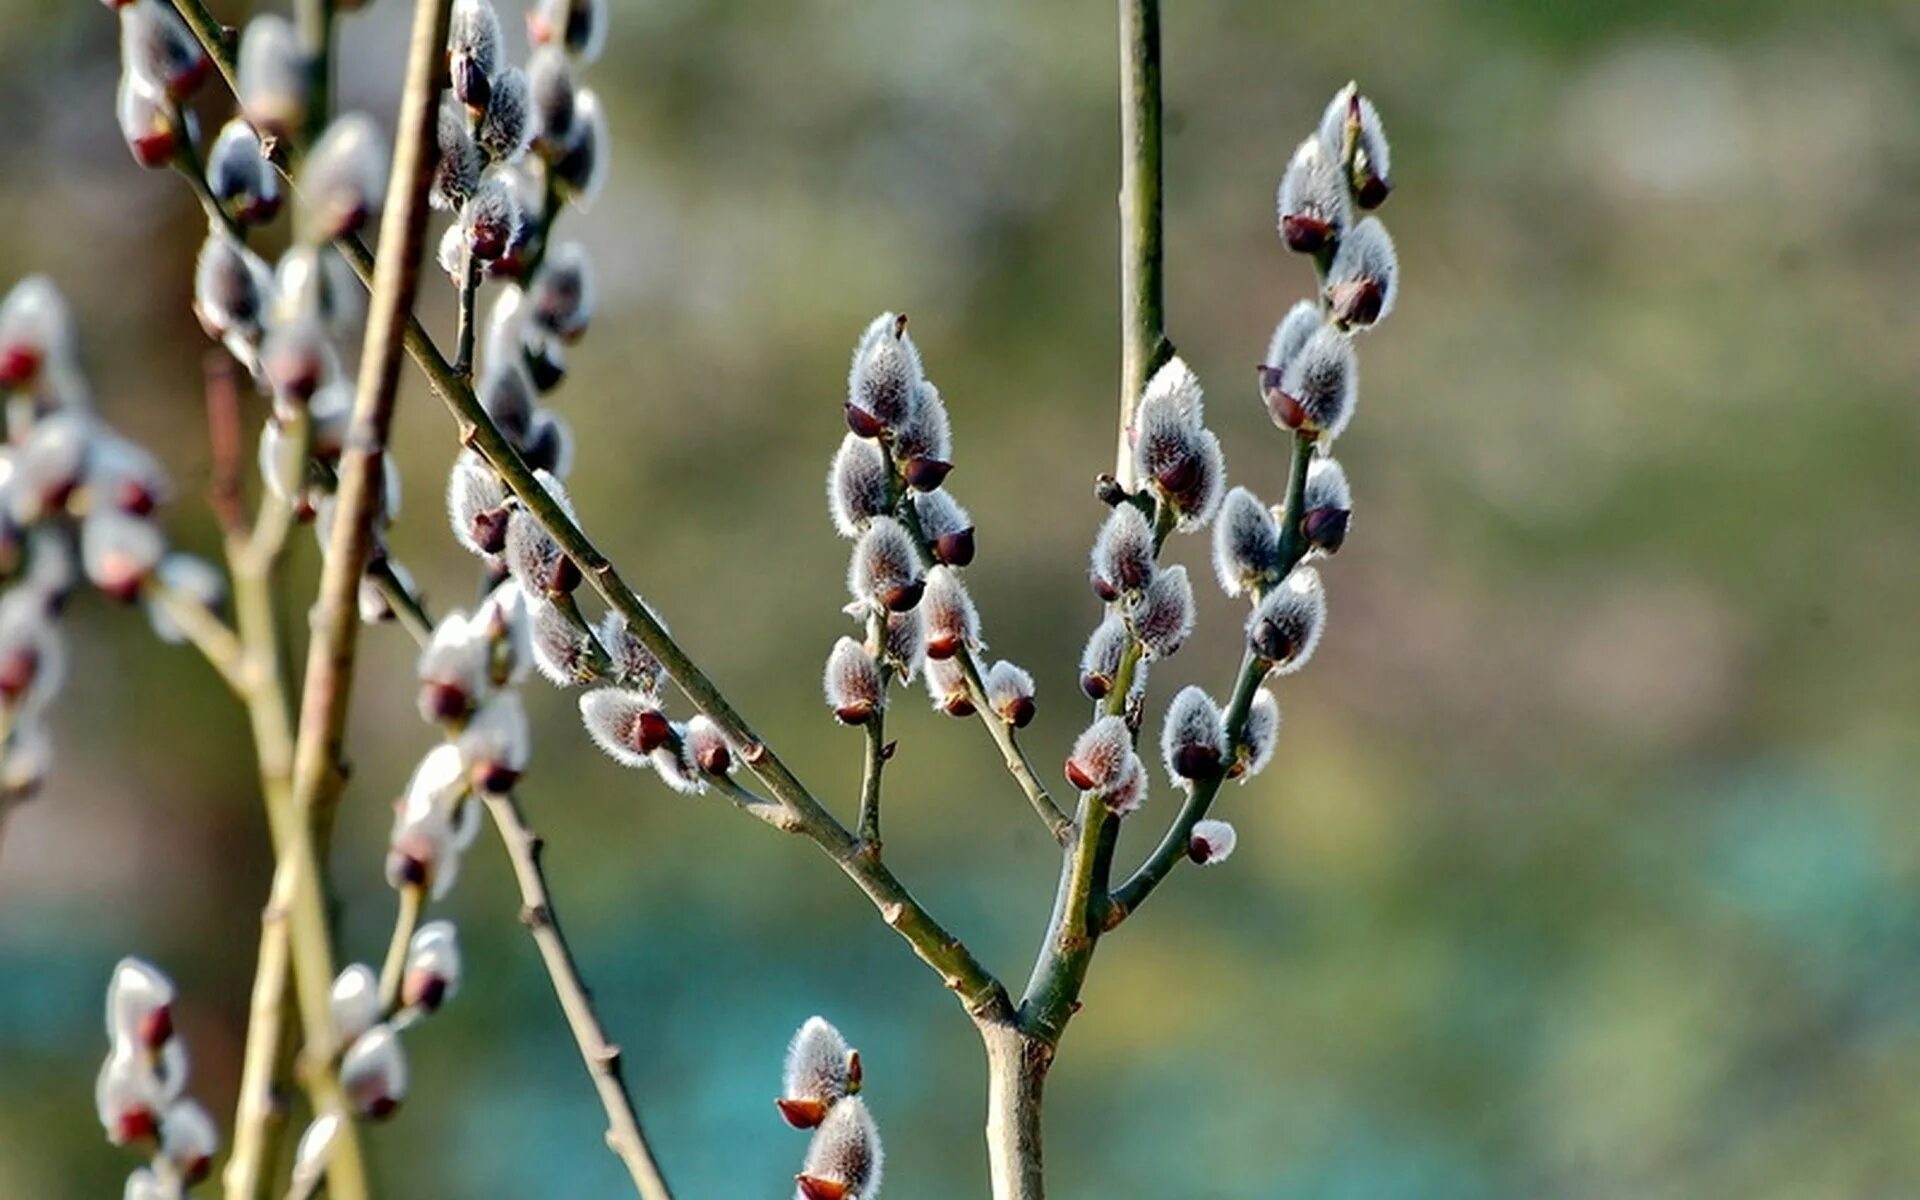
(406, 922)
(1253, 672)
(877, 748)
(803, 814)
(219, 41)
(1067, 951)
(1059, 824)
(602, 1057)
(336, 618)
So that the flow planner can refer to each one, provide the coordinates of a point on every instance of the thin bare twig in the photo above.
(625, 1137)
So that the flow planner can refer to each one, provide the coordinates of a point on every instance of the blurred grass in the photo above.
(1589, 869)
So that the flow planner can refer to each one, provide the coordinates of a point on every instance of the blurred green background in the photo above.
(1589, 868)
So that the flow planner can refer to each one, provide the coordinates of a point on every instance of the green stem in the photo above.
(406, 922)
(876, 728)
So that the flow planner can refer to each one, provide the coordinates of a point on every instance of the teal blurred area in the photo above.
(1588, 868)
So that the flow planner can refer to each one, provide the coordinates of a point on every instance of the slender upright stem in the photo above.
(406, 922)
(877, 750)
(316, 32)
(1143, 339)
(463, 329)
(602, 1057)
(336, 618)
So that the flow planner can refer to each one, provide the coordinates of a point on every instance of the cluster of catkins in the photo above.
(295, 324)
(513, 145)
(75, 498)
(886, 491)
(140, 1090)
(373, 1070)
(820, 1091)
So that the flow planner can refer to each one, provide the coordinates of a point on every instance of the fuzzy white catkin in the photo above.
(1246, 543)
(433, 964)
(562, 650)
(1364, 280)
(906, 644)
(374, 1072)
(35, 328)
(885, 377)
(1164, 617)
(577, 26)
(857, 485)
(355, 1001)
(1100, 754)
(273, 76)
(497, 742)
(846, 1150)
(1315, 203)
(562, 295)
(927, 431)
(1324, 379)
(613, 718)
(344, 177)
(818, 1064)
(1292, 333)
(947, 686)
(1211, 842)
(582, 168)
(1326, 485)
(949, 620)
(157, 45)
(456, 170)
(1128, 792)
(508, 126)
(1261, 735)
(1122, 557)
(947, 525)
(852, 682)
(550, 88)
(1286, 626)
(1372, 161)
(1010, 692)
(136, 991)
(885, 569)
(1192, 741)
(633, 664)
(1100, 658)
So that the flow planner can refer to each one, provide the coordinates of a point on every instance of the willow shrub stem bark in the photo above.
(624, 1134)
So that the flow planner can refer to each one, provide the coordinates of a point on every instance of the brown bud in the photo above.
(1304, 234)
(1326, 528)
(493, 778)
(863, 423)
(651, 730)
(441, 702)
(1095, 685)
(1196, 762)
(958, 705)
(927, 474)
(1357, 302)
(714, 758)
(156, 1027)
(1020, 713)
(801, 1114)
(424, 990)
(490, 530)
(815, 1188)
(1285, 410)
(855, 714)
(954, 549)
(905, 597)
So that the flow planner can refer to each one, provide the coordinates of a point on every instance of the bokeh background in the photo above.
(1589, 868)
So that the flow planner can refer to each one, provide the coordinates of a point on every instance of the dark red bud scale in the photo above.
(1196, 762)
(17, 671)
(442, 702)
(1104, 589)
(944, 645)
(1021, 712)
(958, 705)
(854, 714)
(492, 778)
(954, 549)
(18, 366)
(651, 730)
(1326, 528)
(905, 597)
(801, 1114)
(1356, 303)
(1078, 777)
(1284, 409)
(1096, 686)
(156, 1027)
(121, 576)
(715, 759)
(381, 1107)
(425, 990)
(1374, 192)
(489, 530)
(1304, 234)
(927, 474)
(814, 1188)
(1199, 850)
(863, 423)
(135, 1125)
(135, 498)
